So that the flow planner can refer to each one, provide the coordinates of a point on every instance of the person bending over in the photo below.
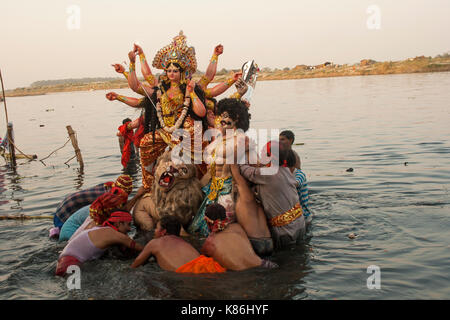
(92, 243)
(173, 253)
(228, 244)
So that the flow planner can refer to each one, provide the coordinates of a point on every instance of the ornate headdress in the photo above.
(177, 52)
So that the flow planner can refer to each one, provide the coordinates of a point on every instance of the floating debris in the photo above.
(406, 163)
(349, 170)
(41, 125)
(48, 110)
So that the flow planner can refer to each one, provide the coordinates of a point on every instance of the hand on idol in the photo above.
(111, 96)
(241, 86)
(119, 68)
(132, 56)
(190, 87)
(140, 192)
(236, 75)
(218, 50)
(137, 49)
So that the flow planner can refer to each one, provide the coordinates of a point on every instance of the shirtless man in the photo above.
(92, 243)
(228, 243)
(173, 253)
(229, 146)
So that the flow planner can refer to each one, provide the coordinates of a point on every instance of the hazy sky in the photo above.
(36, 43)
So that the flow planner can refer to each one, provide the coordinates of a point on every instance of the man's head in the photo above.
(277, 152)
(103, 206)
(126, 120)
(119, 220)
(124, 182)
(234, 115)
(168, 225)
(287, 136)
(216, 217)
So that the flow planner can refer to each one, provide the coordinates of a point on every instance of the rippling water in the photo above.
(392, 130)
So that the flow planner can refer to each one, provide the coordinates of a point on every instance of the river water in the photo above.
(392, 130)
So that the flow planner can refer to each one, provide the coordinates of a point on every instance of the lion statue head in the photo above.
(176, 189)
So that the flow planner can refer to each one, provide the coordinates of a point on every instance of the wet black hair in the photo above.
(291, 159)
(237, 111)
(215, 211)
(171, 224)
(288, 134)
(126, 120)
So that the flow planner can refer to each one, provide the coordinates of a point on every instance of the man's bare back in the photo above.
(170, 251)
(231, 249)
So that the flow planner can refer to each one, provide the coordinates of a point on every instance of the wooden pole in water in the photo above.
(24, 217)
(9, 134)
(12, 151)
(73, 138)
(4, 98)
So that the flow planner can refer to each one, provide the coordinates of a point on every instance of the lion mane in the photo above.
(176, 191)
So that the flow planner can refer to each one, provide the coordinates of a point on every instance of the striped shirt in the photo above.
(302, 190)
(77, 200)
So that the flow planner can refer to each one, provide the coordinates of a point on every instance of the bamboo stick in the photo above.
(24, 217)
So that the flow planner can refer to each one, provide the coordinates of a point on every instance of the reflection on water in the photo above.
(392, 130)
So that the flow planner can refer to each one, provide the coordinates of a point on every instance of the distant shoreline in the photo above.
(365, 67)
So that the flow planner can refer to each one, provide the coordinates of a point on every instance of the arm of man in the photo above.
(120, 238)
(253, 174)
(130, 204)
(208, 247)
(149, 250)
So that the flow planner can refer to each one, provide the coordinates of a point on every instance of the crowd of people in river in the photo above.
(242, 212)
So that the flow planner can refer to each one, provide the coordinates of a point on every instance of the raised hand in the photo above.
(236, 75)
(111, 96)
(190, 87)
(137, 49)
(241, 86)
(218, 50)
(132, 56)
(119, 68)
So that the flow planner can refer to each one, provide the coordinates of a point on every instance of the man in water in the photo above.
(173, 253)
(287, 137)
(226, 149)
(92, 243)
(228, 244)
(80, 199)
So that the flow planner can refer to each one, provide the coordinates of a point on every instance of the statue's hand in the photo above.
(119, 68)
(190, 87)
(218, 50)
(132, 56)
(137, 49)
(111, 96)
(236, 75)
(241, 86)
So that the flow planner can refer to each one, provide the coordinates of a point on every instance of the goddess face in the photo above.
(173, 73)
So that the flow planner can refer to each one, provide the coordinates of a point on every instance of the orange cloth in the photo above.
(201, 264)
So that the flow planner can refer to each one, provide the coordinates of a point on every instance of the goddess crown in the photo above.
(177, 52)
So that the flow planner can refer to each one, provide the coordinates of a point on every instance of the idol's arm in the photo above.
(132, 102)
(197, 105)
(212, 68)
(133, 81)
(223, 86)
(145, 69)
